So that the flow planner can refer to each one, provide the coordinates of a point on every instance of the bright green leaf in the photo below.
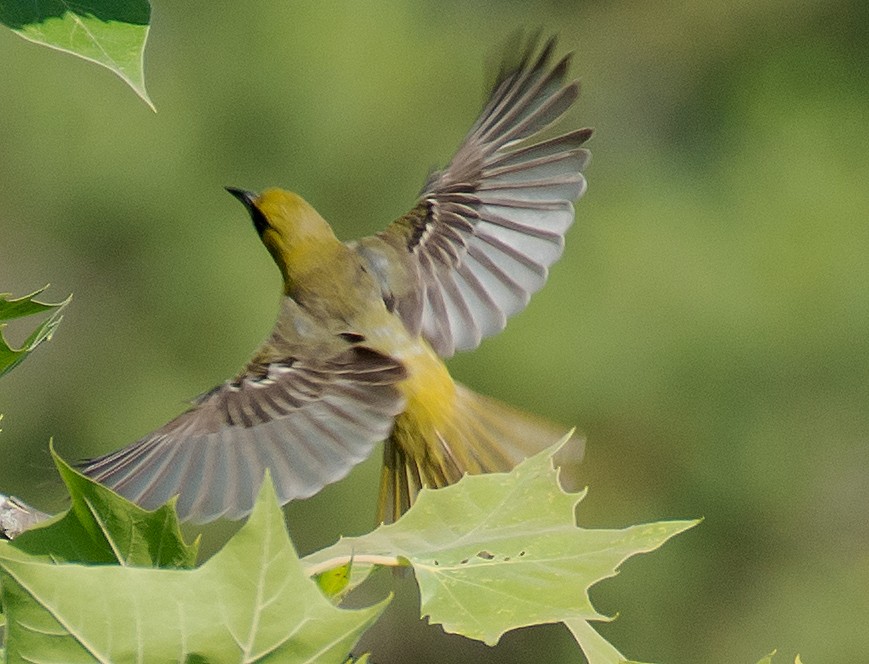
(102, 527)
(501, 551)
(111, 33)
(18, 308)
(334, 582)
(252, 601)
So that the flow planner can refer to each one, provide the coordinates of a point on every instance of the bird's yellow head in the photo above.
(295, 234)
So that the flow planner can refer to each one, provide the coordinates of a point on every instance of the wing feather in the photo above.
(309, 421)
(487, 228)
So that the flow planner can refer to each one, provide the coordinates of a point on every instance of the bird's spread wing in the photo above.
(308, 421)
(486, 229)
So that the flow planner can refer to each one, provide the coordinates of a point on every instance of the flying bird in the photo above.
(356, 354)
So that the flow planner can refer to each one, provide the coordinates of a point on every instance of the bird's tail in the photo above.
(482, 435)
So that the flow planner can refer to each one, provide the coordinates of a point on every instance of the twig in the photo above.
(17, 516)
(332, 563)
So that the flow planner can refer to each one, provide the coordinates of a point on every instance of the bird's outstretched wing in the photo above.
(486, 229)
(308, 421)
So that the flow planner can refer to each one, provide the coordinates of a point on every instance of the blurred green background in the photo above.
(706, 328)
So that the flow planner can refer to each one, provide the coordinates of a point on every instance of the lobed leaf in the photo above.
(251, 602)
(102, 527)
(501, 551)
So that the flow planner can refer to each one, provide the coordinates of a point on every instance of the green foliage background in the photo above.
(706, 328)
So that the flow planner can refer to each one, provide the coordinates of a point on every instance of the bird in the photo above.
(357, 354)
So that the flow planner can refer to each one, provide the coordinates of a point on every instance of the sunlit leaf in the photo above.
(249, 602)
(111, 33)
(334, 582)
(501, 551)
(19, 308)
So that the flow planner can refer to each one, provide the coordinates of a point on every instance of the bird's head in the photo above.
(295, 234)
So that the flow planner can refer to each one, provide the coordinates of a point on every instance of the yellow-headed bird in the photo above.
(355, 356)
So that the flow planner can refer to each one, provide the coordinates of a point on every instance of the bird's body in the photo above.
(356, 353)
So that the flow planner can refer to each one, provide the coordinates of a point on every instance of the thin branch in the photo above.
(332, 563)
(17, 516)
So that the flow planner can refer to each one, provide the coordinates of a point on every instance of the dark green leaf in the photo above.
(18, 308)
(102, 527)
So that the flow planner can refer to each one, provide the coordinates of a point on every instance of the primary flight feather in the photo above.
(355, 355)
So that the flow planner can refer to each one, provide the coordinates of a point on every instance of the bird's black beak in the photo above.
(248, 199)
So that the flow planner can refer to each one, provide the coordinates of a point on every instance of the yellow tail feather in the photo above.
(483, 435)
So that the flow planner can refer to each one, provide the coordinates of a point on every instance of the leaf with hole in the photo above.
(501, 551)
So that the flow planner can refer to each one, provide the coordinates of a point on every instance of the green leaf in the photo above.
(335, 582)
(111, 33)
(501, 551)
(251, 602)
(102, 527)
(19, 308)
(358, 660)
(597, 650)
